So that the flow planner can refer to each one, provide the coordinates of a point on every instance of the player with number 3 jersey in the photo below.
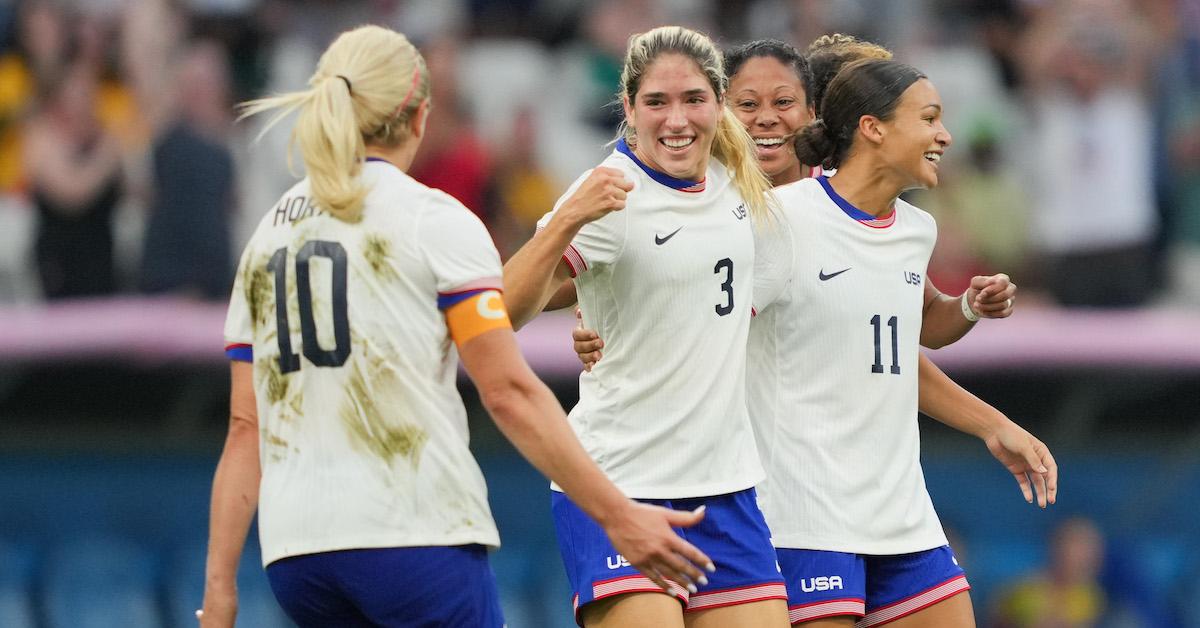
(659, 243)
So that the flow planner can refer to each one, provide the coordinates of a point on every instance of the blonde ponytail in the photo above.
(354, 98)
(734, 147)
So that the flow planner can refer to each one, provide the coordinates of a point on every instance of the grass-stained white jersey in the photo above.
(363, 435)
(832, 376)
(666, 283)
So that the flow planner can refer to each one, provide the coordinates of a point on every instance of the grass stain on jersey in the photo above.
(378, 251)
(280, 389)
(369, 425)
(259, 292)
(277, 382)
(273, 439)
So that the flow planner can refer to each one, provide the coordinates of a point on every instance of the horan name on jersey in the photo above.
(290, 209)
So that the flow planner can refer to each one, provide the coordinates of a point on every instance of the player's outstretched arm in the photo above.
(1026, 457)
(946, 318)
(536, 271)
(234, 501)
(529, 416)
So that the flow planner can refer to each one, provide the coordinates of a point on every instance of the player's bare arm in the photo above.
(1026, 457)
(234, 501)
(947, 319)
(529, 415)
(537, 270)
(564, 297)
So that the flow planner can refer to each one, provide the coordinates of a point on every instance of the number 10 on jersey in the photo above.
(288, 360)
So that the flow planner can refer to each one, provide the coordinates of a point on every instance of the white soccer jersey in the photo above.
(363, 436)
(666, 282)
(832, 375)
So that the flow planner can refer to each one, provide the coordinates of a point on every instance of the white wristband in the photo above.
(968, 313)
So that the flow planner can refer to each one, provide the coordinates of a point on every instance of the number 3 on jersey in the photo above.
(311, 348)
(725, 264)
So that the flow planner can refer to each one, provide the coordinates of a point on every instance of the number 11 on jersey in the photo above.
(893, 323)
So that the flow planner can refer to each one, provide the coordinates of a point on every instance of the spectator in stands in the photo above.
(74, 171)
(1091, 163)
(186, 247)
(26, 73)
(1179, 90)
(523, 189)
(1066, 593)
(453, 157)
(982, 213)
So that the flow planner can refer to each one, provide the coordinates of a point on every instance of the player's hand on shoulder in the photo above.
(602, 192)
(992, 297)
(587, 343)
(1028, 459)
(643, 535)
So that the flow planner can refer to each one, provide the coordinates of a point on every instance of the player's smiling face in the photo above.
(916, 138)
(768, 97)
(674, 115)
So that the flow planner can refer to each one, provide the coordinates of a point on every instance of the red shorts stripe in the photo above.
(731, 597)
(925, 599)
(634, 584)
(828, 608)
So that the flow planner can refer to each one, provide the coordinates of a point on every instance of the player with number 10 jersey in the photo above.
(372, 453)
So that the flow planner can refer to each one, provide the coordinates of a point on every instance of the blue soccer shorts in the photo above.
(733, 534)
(389, 587)
(879, 589)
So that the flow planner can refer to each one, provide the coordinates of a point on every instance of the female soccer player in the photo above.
(674, 269)
(372, 511)
(768, 81)
(850, 515)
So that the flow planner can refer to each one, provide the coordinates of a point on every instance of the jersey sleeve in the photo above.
(772, 260)
(239, 328)
(459, 251)
(598, 243)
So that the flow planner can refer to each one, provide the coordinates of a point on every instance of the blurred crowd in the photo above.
(1088, 580)
(1076, 165)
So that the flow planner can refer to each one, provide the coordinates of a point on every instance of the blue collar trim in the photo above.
(848, 207)
(682, 185)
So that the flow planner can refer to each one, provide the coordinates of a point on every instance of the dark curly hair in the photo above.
(737, 57)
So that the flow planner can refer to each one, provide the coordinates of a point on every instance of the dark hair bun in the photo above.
(813, 144)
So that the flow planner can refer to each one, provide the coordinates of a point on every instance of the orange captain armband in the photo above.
(479, 313)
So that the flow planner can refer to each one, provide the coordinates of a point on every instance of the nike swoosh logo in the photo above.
(823, 277)
(661, 240)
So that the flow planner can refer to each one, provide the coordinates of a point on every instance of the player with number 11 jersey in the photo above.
(849, 430)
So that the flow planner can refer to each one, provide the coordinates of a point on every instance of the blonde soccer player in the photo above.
(355, 297)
